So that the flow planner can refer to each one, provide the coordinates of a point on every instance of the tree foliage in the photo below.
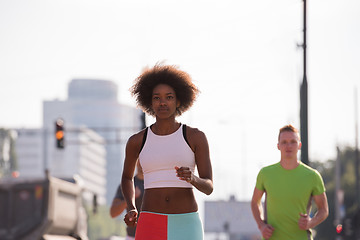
(102, 226)
(326, 230)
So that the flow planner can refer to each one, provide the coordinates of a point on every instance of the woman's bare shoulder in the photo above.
(136, 139)
(194, 132)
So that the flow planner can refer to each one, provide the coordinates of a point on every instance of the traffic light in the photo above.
(339, 228)
(59, 133)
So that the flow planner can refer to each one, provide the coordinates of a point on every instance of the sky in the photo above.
(243, 55)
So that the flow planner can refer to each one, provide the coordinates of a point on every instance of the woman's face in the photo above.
(164, 101)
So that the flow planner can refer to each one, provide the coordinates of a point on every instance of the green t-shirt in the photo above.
(288, 193)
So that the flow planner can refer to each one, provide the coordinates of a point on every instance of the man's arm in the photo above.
(117, 207)
(321, 214)
(265, 229)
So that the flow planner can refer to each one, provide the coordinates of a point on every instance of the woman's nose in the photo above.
(162, 102)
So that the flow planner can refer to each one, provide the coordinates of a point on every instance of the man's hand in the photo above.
(304, 221)
(267, 231)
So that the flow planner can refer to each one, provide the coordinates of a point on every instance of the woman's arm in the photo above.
(127, 180)
(200, 146)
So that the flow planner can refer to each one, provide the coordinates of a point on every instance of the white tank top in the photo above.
(159, 156)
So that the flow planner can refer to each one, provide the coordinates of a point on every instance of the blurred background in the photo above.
(73, 62)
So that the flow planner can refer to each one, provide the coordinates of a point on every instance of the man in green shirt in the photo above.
(290, 187)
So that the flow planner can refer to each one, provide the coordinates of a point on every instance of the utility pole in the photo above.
(357, 185)
(339, 195)
(304, 103)
(356, 219)
(45, 152)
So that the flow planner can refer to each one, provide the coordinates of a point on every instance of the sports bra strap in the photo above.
(184, 134)
(144, 139)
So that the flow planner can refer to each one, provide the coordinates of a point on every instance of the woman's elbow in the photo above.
(210, 189)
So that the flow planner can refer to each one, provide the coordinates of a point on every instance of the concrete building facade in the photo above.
(85, 160)
(30, 153)
(231, 219)
(94, 104)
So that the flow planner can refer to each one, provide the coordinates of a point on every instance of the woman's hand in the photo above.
(131, 218)
(184, 173)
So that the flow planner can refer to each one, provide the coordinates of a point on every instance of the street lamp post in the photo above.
(304, 102)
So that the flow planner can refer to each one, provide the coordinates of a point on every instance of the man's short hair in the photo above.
(288, 128)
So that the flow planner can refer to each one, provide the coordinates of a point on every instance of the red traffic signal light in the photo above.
(59, 133)
(339, 228)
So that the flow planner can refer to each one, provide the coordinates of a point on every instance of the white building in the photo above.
(85, 159)
(30, 153)
(230, 219)
(94, 104)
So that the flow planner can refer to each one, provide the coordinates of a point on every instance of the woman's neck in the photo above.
(162, 127)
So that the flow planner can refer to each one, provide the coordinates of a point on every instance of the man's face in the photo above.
(289, 144)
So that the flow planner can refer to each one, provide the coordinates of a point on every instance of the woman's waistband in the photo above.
(172, 214)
